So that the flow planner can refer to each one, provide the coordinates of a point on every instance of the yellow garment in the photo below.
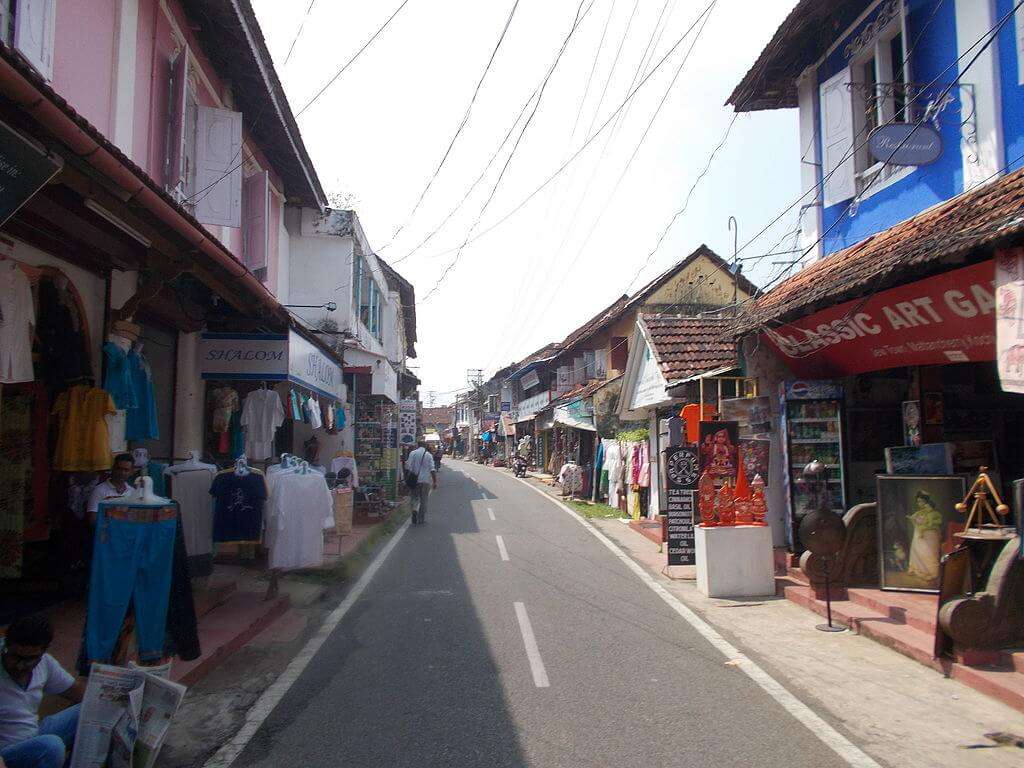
(83, 443)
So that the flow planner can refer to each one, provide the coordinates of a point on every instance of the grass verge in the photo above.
(592, 509)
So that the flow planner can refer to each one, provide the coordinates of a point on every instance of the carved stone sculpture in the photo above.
(856, 562)
(994, 617)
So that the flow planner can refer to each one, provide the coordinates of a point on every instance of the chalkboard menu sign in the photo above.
(682, 469)
(23, 170)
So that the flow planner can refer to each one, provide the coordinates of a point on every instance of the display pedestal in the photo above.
(735, 561)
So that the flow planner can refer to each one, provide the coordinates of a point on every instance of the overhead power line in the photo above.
(462, 124)
(349, 63)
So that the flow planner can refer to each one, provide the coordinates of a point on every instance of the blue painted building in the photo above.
(850, 67)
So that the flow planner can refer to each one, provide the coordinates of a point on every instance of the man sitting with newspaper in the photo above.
(27, 673)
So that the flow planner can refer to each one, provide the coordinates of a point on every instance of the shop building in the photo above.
(146, 234)
(883, 354)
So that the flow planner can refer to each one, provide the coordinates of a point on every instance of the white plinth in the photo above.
(735, 561)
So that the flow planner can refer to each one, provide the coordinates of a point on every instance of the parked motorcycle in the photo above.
(519, 466)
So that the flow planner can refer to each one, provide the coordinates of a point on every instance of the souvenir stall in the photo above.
(375, 417)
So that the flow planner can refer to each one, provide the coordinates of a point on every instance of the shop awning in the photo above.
(384, 379)
(270, 357)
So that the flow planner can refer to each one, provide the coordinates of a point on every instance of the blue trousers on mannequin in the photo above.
(131, 562)
(50, 748)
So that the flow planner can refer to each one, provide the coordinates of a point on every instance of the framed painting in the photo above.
(915, 514)
(927, 459)
(719, 450)
(754, 455)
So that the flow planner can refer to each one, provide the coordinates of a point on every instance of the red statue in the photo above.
(706, 500)
(726, 505)
(758, 506)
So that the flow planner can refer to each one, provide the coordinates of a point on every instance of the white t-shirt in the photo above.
(17, 316)
(102, 492)
(262, 414)
(421, 461)
(19, 707)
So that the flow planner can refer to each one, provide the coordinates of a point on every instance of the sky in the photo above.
(378, 133)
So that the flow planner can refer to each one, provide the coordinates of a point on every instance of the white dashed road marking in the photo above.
(501, 548)
(540, 675)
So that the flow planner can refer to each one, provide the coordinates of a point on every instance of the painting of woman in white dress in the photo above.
(914, 514)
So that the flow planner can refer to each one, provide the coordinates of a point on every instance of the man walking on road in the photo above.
(421, 464)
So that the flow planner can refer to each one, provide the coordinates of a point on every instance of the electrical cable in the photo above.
(349, 63)
(540, 96)
(462, 124)
(703, 20)
(302, 24)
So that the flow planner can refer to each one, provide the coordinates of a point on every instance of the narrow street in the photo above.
(558, 655)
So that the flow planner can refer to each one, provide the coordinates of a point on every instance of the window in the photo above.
(34, 23)
(203, 169)
(370, 300)
(874, 90)
(619, 353)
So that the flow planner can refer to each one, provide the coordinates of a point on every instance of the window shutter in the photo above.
(176, 120)
(837, 138)
(218, 193)
(33, 33)
(1018, 23)
(256, 200)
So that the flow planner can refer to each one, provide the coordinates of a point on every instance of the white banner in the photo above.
(1010, 318)
(650, 384)
(407, 421)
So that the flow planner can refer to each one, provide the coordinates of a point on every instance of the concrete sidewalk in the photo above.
(902, 713)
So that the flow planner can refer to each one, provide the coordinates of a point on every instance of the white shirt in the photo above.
(421, 461)
(192, 492)
(102, 492)
(313, 413)
(17, 316)
(299, 510)
(19, 707)
(262, 414)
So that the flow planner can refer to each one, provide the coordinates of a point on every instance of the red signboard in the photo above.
(949, 318)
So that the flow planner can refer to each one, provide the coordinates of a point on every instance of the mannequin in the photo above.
(191, 464)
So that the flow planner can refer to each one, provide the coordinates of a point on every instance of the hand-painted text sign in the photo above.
(905, 144)
(948, 318)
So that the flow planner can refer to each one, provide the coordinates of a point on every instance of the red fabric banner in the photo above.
(948, 318)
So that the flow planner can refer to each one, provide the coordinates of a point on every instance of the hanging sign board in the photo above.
(1010, 318)
(948, 318)
(650, 384)
(270, 357)
(530, 380)
(24, 169)
(905, 144)
(682, 468)
(407, 421)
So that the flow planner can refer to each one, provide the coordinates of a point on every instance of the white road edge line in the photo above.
(501, 548)
(490, 514)
(270, 698)
(837, 742)
(540, 675)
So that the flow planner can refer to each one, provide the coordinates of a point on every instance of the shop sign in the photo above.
(532, 405)
(308, 365)
(682, 469)
(1010, 318)
(650, 384)
(948, 318)
(270, 357)
(407, 421)
(24, 169)
(911, 144)
(564, 378)
(530, 380)
(578, 414)
(243, 356)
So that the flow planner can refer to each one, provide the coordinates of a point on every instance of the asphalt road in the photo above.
(434, 664)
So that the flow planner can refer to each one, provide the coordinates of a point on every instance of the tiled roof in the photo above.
(808, 31)
(624, 304)
(688, 346)
(933, 241)
(583, 390)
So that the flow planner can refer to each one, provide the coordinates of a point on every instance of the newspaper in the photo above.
(125, 716)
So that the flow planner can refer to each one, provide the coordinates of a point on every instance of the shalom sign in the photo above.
(948, 318)
(905, 144)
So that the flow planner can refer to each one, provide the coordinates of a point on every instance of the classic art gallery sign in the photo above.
(948, 318)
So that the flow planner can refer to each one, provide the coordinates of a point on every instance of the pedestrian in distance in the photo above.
(421, 477)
